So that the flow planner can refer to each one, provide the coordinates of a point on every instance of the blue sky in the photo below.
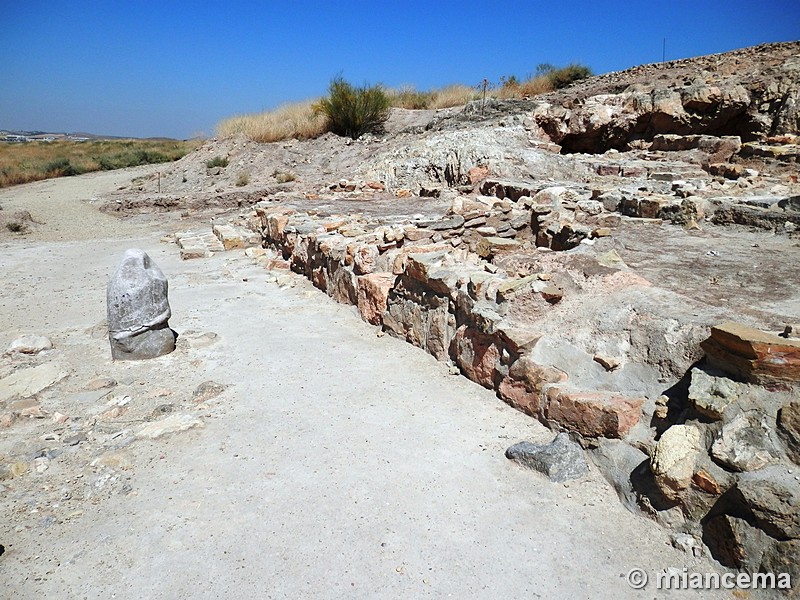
(143, 68)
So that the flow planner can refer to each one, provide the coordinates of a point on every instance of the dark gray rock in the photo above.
(138, 309)
(561, 460)
(789, 428)
(618, 461)
(734, 542)
(773, 495)
(783, 557)
(452, 222)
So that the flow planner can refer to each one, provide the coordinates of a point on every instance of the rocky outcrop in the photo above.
(700, 96)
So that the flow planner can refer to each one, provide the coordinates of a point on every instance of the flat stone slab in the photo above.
(27, 382)
(171, 424)
(755, 355)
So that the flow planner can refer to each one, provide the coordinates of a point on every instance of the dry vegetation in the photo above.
(298, 120)
(32, 161)
(304, 120)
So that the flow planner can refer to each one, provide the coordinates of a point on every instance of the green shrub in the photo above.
(561, 78)
(352, 111)
(61, 167)
(242, 180)
(283, 176)
(217, 161)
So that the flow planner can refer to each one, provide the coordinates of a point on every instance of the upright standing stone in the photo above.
(138, 309)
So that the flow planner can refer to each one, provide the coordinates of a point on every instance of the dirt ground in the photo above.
(335, 462)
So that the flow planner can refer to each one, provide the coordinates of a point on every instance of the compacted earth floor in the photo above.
(324, 459)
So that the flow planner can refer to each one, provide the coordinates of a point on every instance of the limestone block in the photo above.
(711, 395)
(743, 445)
(229, 236)
(138, 309)
(675, 458)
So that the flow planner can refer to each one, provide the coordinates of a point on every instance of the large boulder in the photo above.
(773, 496)
(138, 309)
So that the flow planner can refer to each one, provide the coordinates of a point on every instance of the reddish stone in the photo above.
(276, 264)
(477, 174)
(706, 482)
(754, 355)
(275, 226)
(607, 169)
(514, 393)
(334, 225)
(373, 292)
(376, 185)
(649, 208)
(633, 171)
(593, 414)
(477, 354)
(533, 375)
(414, 234)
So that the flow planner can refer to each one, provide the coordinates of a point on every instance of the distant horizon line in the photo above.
(40, 133)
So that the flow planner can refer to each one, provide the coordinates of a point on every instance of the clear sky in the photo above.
(167, 68)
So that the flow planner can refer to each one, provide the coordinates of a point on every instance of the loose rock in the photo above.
(561, 460)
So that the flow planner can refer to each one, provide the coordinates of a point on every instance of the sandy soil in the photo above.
(336, 462)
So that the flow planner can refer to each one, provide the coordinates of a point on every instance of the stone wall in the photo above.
(705, 447)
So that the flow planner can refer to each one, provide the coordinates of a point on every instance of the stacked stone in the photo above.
(719, 470)
(413, 282)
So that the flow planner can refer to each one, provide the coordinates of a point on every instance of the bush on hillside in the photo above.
(561, 78)
(217, 161)
(352, 111)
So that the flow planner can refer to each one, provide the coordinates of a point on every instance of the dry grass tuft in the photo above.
(453, 95)
(306, 120)
(446, 97)
(298, 120)
(512, 89)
